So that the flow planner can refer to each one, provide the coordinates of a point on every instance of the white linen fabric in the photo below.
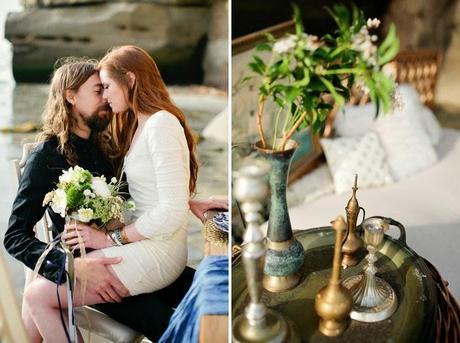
(157, 171)
(362, 155)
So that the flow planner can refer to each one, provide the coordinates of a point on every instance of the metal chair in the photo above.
(99, 323)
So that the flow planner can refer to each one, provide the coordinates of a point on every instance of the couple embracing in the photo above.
(114, 118)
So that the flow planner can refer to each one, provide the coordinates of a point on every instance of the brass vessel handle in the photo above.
(364, 213)
(391, 221)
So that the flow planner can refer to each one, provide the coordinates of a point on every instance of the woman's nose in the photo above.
(104, 96)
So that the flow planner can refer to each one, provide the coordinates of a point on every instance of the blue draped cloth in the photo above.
(208, 295)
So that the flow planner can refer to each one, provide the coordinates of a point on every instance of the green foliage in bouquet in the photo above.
(306, 75)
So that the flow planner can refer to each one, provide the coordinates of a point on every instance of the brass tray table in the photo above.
(400, 266)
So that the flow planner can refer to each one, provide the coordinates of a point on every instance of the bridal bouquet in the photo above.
(85, 197)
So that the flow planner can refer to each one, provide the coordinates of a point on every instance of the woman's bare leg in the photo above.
(41, 302)
(31, 328)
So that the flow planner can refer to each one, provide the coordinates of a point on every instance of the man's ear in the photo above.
(70, 96)
(132, 78)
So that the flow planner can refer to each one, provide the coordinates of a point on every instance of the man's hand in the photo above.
(90, 236)
(99, 278)
(200, 207)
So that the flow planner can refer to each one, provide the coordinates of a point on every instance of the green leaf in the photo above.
(270, 37)
(263, 47)
(389, 39)
(292, 93)
(297, 19)
(390, 53)
(339, 100)
(255, 68)
(304, 81)
(264, 90)
(316, 84)
(389, 47)
(284, 66)
(258, 66)
(278, 101)
(375, 100)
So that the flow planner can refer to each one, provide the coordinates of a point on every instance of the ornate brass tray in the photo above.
(399, 265)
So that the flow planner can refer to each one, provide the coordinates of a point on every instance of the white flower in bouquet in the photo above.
(59, 202)
(85, 215)
(100, 187)
(72, 175)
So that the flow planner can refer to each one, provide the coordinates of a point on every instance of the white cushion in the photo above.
(353, 121)
(431, 124)
(406, 143)
(347, 156)
(411, 102)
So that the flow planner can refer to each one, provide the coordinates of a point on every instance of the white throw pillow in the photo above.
(347, 156)
(406, 143)
(431, 124)
(411, 102)
(354, 121)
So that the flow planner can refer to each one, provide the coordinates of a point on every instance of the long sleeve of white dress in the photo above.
(158, 177)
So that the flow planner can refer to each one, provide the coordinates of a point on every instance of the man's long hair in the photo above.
(69, 74)
(147, 95)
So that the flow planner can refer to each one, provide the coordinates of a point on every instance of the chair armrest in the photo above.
(104, 326)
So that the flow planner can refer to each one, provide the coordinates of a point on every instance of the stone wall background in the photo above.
(187, 38)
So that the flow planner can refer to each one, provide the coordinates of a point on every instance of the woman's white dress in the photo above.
(157, 171)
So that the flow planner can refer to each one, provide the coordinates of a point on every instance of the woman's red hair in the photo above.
(147, 95)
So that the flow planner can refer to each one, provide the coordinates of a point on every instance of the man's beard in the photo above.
(99, 119)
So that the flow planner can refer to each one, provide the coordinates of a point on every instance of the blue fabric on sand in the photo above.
(207, 295)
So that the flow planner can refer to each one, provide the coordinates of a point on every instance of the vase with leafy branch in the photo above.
(305, 76)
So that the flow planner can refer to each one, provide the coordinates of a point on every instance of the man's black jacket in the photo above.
(40, 176)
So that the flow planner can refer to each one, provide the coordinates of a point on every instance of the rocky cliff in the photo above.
(179, 34)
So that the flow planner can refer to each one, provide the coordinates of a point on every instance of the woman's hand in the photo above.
(200, 207)
(90, 236)
(114, 224)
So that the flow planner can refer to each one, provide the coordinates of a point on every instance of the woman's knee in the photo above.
(38, 291)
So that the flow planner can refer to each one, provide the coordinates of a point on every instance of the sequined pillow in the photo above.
(347, 156)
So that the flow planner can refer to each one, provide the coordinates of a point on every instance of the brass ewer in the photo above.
(333, 302)
(373, 298)
(352, 241)
(258, 323)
